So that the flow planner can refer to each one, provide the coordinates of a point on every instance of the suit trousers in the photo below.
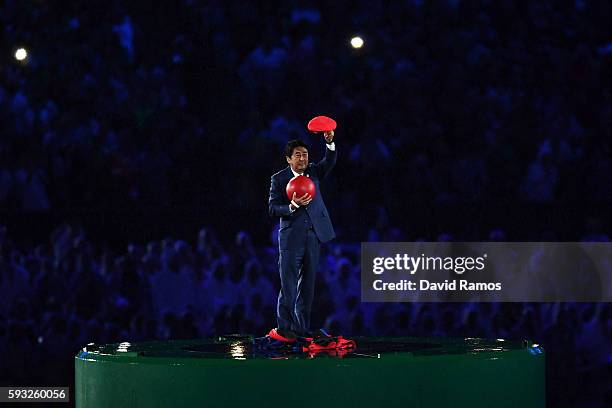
(298, 269)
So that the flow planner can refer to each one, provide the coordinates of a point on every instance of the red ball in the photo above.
(301, 185)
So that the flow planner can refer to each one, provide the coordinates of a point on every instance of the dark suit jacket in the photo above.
(292, 224)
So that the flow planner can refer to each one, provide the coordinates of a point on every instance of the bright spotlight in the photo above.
(21, 54)
(357, 42)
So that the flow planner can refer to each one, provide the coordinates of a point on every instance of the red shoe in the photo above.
(315, 335)
(286, 336)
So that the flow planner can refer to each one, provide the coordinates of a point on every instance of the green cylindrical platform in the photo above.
(383, 372)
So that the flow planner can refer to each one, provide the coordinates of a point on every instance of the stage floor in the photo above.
(228, 371)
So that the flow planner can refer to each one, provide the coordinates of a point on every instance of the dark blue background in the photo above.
(130, 127)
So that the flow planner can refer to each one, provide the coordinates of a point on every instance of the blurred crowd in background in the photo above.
(67, 292)
(185, 107)
(126, 105)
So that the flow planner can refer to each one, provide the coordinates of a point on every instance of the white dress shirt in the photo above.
(331, 146)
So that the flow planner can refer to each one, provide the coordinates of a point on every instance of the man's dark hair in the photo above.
(292, 144)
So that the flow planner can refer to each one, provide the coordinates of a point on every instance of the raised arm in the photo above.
(325, 166)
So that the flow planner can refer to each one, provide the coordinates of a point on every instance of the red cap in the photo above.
(321, 124)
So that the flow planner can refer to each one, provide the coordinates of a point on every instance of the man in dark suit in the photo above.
(304, 225)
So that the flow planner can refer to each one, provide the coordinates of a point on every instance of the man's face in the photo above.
(299, 159)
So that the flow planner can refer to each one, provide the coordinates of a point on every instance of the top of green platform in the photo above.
(235, 347)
